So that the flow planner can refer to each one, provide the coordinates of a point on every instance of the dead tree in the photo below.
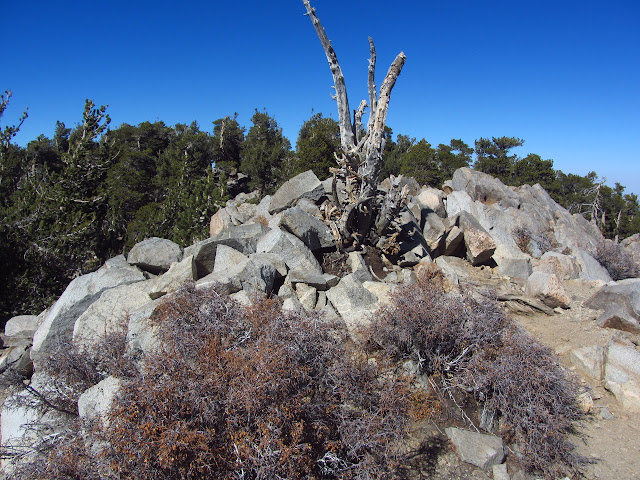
(367, 215)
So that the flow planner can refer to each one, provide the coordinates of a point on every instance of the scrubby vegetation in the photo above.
(240, 392)
(619, 263)
(469, 346)
(257, 392)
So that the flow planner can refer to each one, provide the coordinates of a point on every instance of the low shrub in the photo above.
(470, 346)
(619, 263)
(244, 393)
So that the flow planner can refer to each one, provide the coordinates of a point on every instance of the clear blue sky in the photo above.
(562, 75)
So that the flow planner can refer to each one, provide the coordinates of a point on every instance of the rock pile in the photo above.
(282, 245)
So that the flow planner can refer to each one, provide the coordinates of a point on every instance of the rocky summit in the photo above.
(513, 245)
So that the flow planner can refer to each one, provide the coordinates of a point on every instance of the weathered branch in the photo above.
(357, 120)
(344, 113)
(372, 165)
(373, 96)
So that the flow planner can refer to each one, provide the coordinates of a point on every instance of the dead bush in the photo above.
(531, 243)
(619, 263)
(244, 393)
(470, 346)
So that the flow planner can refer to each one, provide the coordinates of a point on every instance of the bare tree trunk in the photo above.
(369, 212)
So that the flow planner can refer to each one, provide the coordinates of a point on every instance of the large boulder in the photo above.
(622, 373)
(620, 302)
(219, 221)
(512, 262)
(292, 250)
(479, 244)
(311, 230)
(58, 325)
(547, 288)
(431, 200)
(478, 449)
(20, 329)
(565, 267)
(354, 303)
(109, 313)
(95, 402)
(155, 255)
(204, 255)
(243, 238)
(304, 185)
(180, 273)
(484, 188)
(589, 361)
(590, 269)
(236, 271)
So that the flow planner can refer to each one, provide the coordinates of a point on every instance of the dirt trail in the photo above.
(612, 439)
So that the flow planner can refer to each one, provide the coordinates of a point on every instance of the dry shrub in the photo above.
(619, 263)
(253, 393)
(532, 243)
(470, 346)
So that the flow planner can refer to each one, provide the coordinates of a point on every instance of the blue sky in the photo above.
(562, 75)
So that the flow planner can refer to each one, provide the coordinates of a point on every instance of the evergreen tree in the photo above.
(492, 156)
(263, 152)
(318, 141)
(228, 137)
(451, 157)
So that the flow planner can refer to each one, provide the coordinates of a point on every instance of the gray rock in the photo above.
(243, 238)
(434, 231)
(109, 312)
(500, 472)
(58, 325)
(358, 267)
(320, 282)
(18, 359)
(141, 334)
(311, 230)
(381, 290)
(228, 259)
(479, 244)
(484, 188)
(512, 262)
(453, 240)
(179, 274)
(219, 221)
(478, 449)
(354, 303)
(204, 254)
(310, 207)
(235, 272)
(292, 250)
(590, 269)
(274, 259)
(588, 360)
(431, 199)
(546, 288)
(20, 328)
(622, 373)
(458, 201)
(307, 296)
(155, 254)
(304, 185)
(96, 402)
(621, 304)
(565, 267)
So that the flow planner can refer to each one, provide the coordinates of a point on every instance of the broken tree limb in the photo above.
(371, 86)
(370, 169)
(344, 113)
